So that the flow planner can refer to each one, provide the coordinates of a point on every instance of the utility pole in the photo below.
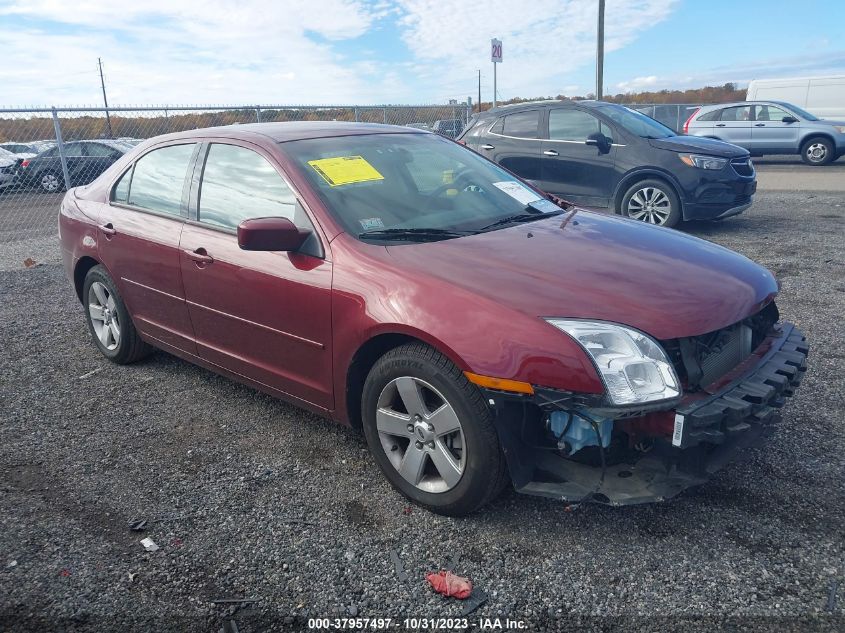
(600, 52)
(479, 90)
(105, 101)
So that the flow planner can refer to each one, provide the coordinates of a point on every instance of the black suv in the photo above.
(605, 155)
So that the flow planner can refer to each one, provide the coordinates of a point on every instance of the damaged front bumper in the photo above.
(710, 429)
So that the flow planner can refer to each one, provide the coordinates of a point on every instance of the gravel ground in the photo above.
(251, 498)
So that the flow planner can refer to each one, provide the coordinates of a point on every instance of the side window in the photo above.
(238, 183)
(72, 150)
(522, 124)
(159, 178)
(572, 125)
(120, 192)
(770, 113)
(710, 116)
(498, 128)
(741, 113)
(101, 151)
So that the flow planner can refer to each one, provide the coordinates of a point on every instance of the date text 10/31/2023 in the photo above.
(417, 624)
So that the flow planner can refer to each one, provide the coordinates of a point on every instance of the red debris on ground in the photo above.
(29, 262)
(449, 584)
(65, 573)
(407, 510)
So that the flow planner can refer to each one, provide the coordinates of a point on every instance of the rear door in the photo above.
(572, 168)
(262, 315)
(514, 142)
(734, 125)
(770, 135)
(139, 242)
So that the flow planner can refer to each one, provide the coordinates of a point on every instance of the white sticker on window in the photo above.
(517, 191)
(369, 224)
(678, 435)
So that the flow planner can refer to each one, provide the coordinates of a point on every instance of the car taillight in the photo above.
(462, 142)
(25, 163)
(686, 125)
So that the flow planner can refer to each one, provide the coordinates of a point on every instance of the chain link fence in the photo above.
(45, 151)
(672, 115)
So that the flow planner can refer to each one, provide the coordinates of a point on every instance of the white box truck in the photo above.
(822, 96)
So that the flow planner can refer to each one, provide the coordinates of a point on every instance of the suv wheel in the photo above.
(651, 201)
(817, 151)
(430, 431)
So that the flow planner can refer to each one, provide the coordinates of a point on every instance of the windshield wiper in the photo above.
(525, 216)
(413, 234)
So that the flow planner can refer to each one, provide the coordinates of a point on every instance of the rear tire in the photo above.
(652, 201)
(817, 151)
(108, 320)
(451, 473)
(50, 182)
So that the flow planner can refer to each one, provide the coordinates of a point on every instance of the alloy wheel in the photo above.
(649, 204)
(104, 316)
(421, 434)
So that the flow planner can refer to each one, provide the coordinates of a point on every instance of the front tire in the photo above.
(817, 151)
(108, 320)
(652, 201)
(430, 432)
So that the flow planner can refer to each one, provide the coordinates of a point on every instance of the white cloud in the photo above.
(638, 84)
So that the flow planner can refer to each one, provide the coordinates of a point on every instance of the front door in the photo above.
(770, 134)
(139, 243)
(575, 166)
(262, 315)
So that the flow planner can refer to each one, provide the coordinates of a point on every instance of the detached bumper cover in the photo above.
(710, 431)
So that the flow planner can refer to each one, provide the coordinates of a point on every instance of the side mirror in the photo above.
(599, 140)
(270, 234)
(789, 119)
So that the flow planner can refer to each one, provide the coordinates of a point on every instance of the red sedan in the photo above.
(478, 331)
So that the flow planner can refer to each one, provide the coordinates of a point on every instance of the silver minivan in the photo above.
(771, 127)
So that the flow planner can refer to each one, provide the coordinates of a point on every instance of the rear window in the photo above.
(159, 178)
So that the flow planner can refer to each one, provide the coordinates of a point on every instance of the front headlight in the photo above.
(633, 366)
(703, 162)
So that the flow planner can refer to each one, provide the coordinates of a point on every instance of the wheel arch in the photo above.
(814, 135)
(85, 263)
(368, 354)
(645, 174)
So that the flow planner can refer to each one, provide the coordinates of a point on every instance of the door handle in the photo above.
(488, 146)
(550, 152)
(759, 125)
(200, 256)
(108, 229)
(720, 125)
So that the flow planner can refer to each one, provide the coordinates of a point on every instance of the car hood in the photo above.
(594, 266)
(709, 146)
(827, 122)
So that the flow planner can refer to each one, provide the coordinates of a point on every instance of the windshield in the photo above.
(802, 113)
(636, 122)
(412, 186)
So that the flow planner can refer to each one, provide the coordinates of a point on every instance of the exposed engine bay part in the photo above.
(557, 446)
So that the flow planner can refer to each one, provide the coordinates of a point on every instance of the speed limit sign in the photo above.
(496, 51)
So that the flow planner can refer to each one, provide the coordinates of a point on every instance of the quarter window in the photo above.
(522, 124)
(237, 184)
(159, 178)
(120, 193)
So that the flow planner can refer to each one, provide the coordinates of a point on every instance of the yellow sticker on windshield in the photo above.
(345, 170)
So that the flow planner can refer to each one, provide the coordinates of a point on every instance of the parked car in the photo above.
(9, 169)
(398, 282)
(451, 128)
(823, 96)
(606, 155)
(85, 161)
(771, 127)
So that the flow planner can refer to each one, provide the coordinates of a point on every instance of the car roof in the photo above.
(293, 130)
(564, 103)
(736, 104)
